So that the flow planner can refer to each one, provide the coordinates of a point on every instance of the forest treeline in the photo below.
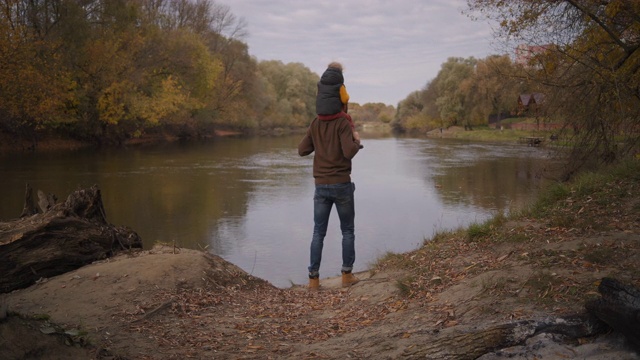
(466, 92)
(104, 71)
(581, 56)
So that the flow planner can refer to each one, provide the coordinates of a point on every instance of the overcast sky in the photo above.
(388, 48)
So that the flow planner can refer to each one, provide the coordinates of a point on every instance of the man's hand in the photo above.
(356, 139)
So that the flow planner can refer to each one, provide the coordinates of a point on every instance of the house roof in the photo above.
(528, 99)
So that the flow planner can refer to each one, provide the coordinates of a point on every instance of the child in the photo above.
(332, 101)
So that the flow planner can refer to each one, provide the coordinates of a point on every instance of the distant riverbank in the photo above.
(59, 142)
(483, 133)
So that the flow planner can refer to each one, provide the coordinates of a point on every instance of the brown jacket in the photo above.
(334, 147)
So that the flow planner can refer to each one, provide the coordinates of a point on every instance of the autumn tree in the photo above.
(493, 89)
(109, 70)
(287, 94)
(589, 68)
(455, 97)
(452, 98)
(34, 86)
(233, 92)
(409, 113)
(372, 113)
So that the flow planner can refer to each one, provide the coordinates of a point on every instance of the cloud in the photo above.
(389, 49)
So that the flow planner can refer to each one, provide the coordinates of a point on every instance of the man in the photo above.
(335, 142)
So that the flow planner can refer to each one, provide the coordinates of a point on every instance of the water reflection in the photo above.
(250, 200)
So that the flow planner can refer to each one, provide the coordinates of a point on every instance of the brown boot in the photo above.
(314, 284)
(348, 279)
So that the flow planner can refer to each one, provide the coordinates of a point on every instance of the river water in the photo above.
(249, 200)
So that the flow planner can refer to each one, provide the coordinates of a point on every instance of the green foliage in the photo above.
(549, 197)
(476, 231)
(451, 97)
(371, 113)
(464, 93)
(409, 108)
(286, 94)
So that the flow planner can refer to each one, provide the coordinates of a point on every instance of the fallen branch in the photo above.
(154, 311)
(61, 238)
(474, 343)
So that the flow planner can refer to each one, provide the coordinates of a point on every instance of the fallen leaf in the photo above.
(47, 330)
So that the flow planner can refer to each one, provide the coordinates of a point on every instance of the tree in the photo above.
(408, 115)
(451, 99)
(444, 101)
(371, 112)
(289, 93)
(108, 70)
(590, 68)
(35, 88)
(493, 89)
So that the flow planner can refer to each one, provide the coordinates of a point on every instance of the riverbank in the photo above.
(51, 142)
(47, 143)
(171, 303)
(483, 133)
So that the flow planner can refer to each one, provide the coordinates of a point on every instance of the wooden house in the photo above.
(530, 104)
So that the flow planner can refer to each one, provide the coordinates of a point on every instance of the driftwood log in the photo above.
(53, 238)
(619, 307)
(473, 343)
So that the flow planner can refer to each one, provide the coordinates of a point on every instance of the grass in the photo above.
(440, 236)
(405, 287)
(41, 317)
(485, 133)
(476, 232)
(547, 199)
(390, 259)
(585, 197)
(590, 201)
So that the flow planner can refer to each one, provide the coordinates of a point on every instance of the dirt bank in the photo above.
(47, 143)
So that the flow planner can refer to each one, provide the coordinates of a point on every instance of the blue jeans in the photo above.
(325, 196)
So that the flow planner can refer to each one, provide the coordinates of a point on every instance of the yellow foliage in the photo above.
(111, 103)
(34, 87)
(209, 70)
(416, 122)
(115, 66)
(167, 100)
(193, 65)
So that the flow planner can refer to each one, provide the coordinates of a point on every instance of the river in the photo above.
(249, 200)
